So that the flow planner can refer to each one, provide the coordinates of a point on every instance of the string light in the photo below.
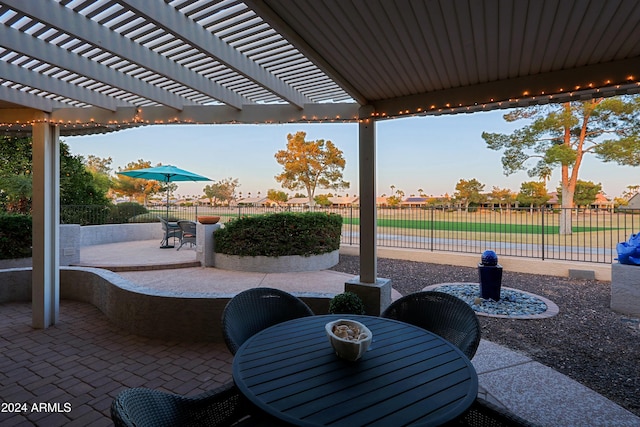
(91, 125)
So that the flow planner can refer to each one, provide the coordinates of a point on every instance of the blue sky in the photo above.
(432, 153)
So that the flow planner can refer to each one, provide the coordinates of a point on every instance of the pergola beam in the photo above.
(182, 27)
(33, 47)
(85, 29)
(58, 87)
(27, 100)
(212, 114)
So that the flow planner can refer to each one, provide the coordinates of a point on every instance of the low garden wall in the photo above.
(115, 233)
(625, 289)
(140, 311)
(281, 264)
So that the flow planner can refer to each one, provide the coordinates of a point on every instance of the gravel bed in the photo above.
(586, 341)
(512, 303)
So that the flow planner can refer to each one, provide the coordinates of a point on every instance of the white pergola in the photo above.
(71, 67)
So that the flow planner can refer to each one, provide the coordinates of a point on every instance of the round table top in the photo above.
(409, 376)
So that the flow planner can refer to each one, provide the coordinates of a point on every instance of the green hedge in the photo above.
(15, 236)
(124, 212)
(280, 234)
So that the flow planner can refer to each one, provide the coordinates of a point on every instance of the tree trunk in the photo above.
(565, 213)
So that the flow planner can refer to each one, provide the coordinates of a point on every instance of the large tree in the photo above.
(136, 188)
(560, 135)
(77, 184)
(533, 193)
(100, 168)
(277, 195)
(502, 196)
(310, 164)
(586, 193)
(221, 191)
(469, 191)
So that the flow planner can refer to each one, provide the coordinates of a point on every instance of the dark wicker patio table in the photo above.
(409, 376)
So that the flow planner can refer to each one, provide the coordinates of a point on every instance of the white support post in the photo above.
(368, 215)
(374, 291)
(46, 217)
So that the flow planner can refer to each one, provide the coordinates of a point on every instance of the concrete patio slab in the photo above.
(548, 398)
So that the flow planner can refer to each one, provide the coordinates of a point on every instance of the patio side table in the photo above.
(409, 376)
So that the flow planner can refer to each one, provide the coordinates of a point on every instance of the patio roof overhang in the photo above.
(72, 67)
(93, 66)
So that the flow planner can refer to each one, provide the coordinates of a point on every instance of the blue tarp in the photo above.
(629, 251)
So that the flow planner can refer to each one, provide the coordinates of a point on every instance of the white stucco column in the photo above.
(374, 291)
(368, 214)
(46, 217)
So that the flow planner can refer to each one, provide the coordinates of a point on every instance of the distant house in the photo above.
(382, 202)
(414, 202)
(601, 202)
(336, 201)
(634, 202)
(343, 201)
(254, 201)
(297, 202)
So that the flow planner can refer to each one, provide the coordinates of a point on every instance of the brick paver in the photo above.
(84, 361)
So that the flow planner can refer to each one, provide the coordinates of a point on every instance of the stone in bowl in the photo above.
(349, 339)
(208, 219)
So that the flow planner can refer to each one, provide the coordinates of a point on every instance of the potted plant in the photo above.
(346, 303)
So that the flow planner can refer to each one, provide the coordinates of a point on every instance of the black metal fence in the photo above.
(532, 233)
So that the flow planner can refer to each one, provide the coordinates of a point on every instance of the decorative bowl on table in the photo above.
(208, 219)
(349, 339)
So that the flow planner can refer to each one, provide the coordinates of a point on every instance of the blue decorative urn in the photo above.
(490, 274)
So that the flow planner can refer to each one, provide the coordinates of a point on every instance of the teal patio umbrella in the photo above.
(164, 174)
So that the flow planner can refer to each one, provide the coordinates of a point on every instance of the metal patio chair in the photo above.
(442, 314)
(170, 231)
(188, 233)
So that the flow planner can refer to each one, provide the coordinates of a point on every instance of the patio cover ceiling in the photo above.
(102, 65)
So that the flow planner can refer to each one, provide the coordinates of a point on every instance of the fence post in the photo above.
(351, 225)
(542, 239)
(431, 228)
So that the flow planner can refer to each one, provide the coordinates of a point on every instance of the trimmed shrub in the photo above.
(121, 212)
(280, 234)
(346, 303)
(145, 218)
(15, 236)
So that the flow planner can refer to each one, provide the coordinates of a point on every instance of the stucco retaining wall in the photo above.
(140, 311)
(114, 233)
(282, 264)
(625, 289)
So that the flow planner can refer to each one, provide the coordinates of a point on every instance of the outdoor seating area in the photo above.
(100, 360)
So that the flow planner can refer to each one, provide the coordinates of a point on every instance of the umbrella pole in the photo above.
(166, 239)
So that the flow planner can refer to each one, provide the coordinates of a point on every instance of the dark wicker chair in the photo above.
(145, 407)
(485, 414)
(442, 314)
(255, 309)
